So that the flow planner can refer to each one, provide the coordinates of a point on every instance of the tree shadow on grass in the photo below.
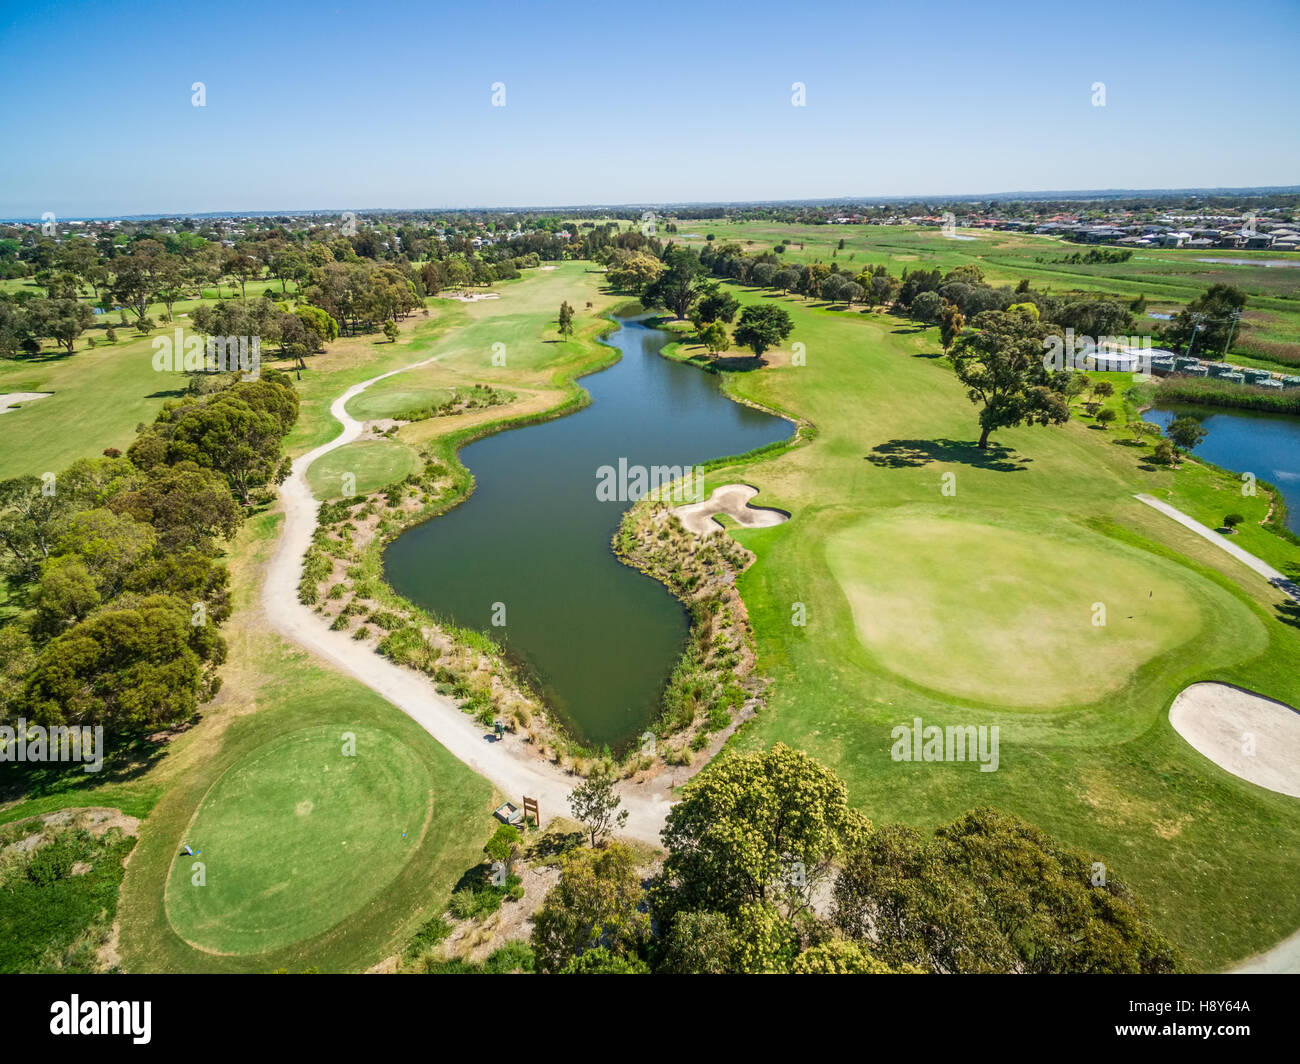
(474, 878)
(1289, 613)
(911, 454)
(737, 364)
(557, 843)
(122, 762)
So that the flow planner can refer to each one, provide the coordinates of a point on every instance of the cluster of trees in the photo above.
(364, 280)
(26, 320)
(115, 558)
(1208, 323)
(761, 841)
(677, 279)
(362, 295)
(302, 331)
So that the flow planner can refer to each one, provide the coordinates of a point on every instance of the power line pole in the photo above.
(1236, 317)
(1195, 329)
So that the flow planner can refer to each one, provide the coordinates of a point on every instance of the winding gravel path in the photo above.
(1221, 541)
(506, 764)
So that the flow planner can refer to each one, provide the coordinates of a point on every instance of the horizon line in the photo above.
(1023, 195)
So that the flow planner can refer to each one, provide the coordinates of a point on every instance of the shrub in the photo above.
(464, 904)
(500, 847)
(1164, 453)
(512, 957)
(430, 934)
(51, 862)
(718, 719)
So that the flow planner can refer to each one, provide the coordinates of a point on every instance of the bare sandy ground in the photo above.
(8, 400)
(505, 763)
(472, 297)
(1214, 718)
(732, 500)
(1244, 733)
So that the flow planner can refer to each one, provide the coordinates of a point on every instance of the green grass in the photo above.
(203, 786)
(391, 397)
(1168, 278)
(99, 397)
(373, 464)
(1000, 620)
(1098, 766)
(59, 898)
(297, 836)
(275, 698)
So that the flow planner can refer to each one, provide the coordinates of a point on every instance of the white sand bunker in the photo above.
(470, 297)
(732, 500)
(9, 400)
(1247, 734)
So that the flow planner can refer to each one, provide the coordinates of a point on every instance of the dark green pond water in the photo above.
(1248, 441)
(599, 638)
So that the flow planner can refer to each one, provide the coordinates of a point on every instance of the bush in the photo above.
(512, 957)
(405, 646)
(464, 904)
(1233, 520)
(719, 718)
(1164, 453)
(430, 934)
(51, 863)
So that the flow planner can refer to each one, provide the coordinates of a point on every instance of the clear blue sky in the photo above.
(388, 104)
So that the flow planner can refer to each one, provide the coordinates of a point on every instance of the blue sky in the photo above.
(388, 104)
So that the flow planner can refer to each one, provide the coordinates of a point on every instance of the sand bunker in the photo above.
(732, 500)
(9, 400)
(472, 297)
(1247, 734)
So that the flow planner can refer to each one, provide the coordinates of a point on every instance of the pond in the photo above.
(1248, 441)
(531, 545)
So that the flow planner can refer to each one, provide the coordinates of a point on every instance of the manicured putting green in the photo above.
(400, 395)
(297, 836)
(1004, 616)
(374, 464)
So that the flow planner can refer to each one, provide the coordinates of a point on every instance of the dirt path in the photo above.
(1289, 587)
(506, 764)
(1282, 959)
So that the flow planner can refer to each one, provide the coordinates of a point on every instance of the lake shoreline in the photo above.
(562, 731)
